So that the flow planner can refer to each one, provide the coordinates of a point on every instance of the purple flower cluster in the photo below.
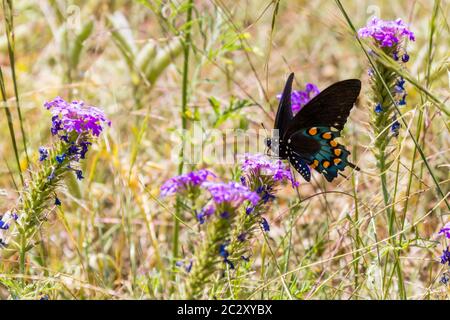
(300, 98)
(75, 117)
(231, 193)
(185, 181)
(260, 164)
(388, 36)
(75, 124)
(386, 33)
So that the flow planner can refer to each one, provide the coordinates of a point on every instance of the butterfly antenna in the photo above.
(262, 125)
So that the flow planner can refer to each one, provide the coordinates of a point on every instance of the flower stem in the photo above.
(184, 101)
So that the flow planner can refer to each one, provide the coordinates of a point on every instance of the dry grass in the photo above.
(113, 237)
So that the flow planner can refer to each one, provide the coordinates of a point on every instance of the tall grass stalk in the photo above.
(184, 102)
(9, 118)
(9, 26)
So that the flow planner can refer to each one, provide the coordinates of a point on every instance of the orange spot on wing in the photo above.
(337, 161)
(337, 152)
(326, 164)
(314, 164)
(312, 131)
(333, 143)
(327, 135)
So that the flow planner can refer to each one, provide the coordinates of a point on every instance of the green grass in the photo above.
(156, 69)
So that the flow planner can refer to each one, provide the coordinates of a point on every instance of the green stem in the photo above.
(9, 25)
(10, 125)
(184, 101)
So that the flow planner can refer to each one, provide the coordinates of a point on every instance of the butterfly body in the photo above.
(307, 139)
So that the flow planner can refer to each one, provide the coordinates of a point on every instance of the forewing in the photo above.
(284, 113)
(330, 108)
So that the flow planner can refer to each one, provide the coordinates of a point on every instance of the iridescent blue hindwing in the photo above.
(324, 154)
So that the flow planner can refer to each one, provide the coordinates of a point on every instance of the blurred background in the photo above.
(112, 238)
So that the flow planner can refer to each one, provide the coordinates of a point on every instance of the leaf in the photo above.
(75, 52)
(215, 104)
(146, 55)
(123, 37)
(164, 58)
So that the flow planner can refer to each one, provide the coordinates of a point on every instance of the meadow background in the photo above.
(113, 236)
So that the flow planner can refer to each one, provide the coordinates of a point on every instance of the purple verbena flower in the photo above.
(232, 193)
(300, 98)
(75, 117)
(385, 32)
(259, 164)
(185, 181)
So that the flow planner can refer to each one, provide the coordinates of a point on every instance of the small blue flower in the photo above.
(395, 127)
(241, 237)
(73, 149)
(57, 201)
(445, 278)
(188, 267)
(43, 154)
(51, 176)
(4, 225)
(225, 215)
(224, 254)
(268, 196)
(265, 225)
(201, 218)
(400, 85)
(247, 259)
(60, 158)
(223, 251)
(378, 108)
(445, 258)
(244, 183)
(249, 209)
(15, 216)
(405, 57)
(395, 55)
(79, 174)
(402, 101)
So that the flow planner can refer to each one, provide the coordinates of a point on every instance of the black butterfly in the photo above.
(308, 139)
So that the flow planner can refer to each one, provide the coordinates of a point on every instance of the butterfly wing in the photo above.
(330, 108)
(300, 165)
(317, 147)
(284, 113)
